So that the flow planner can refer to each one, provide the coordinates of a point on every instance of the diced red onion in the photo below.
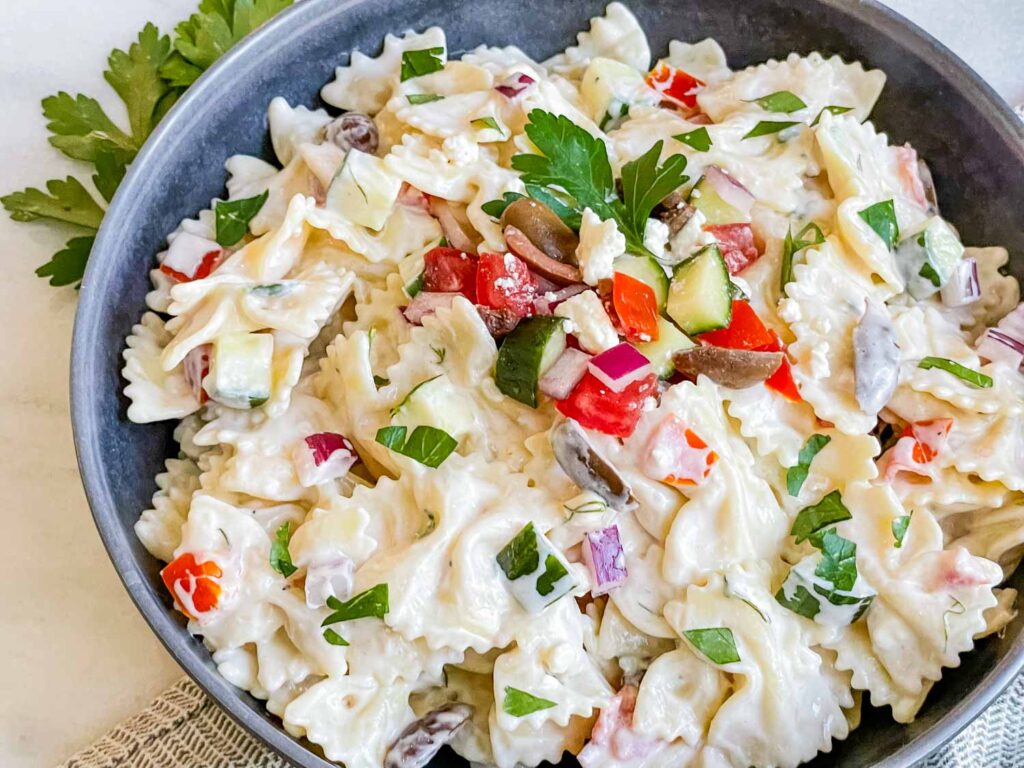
(190, 257)
(546, 302)
(564, 374)
(730, 190)
(322, 457)
(333, 578)
(1005, 342)
(454, 232)
(196, 366)
(427, 303)
(514, 85)
(604, 556)
(963, 286)
(619, 366)
(411, 197)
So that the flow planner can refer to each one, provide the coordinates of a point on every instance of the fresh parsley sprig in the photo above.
(574, 163)
(148, 78)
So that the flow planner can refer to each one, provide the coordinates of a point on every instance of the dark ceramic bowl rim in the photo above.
(282, 30)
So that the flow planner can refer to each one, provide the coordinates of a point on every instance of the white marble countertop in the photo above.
(76, 657)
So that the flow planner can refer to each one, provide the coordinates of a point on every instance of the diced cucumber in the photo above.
(525, 356)
(649, 272)
(240, 369)
(661, 352)
(434, 403)
(414, 286)
(705, 199)
(699, 298)
(927, 258)
(608, 88)
(363, 190)
(942, 248)
(537, 573)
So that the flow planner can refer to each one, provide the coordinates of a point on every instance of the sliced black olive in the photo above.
(543, 228)
(500, 322)
(353, 130)
(418, 743)
(587, 468)
(538, 261)
(733, 368)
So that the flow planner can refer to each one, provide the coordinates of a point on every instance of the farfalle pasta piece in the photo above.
(159, 527)
(827, 300)
(291, 126)
(817, 81)
(782, 710)
(948, 492)
(774, 426)
(704, 60)
(929, 604)
(616, 35)
(156, 393)
(367, 83)
(996, 534)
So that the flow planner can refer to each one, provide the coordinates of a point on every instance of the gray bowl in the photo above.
(974, 143)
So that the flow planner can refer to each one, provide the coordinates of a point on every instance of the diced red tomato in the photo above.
(677, 455)
(736, 241)
(596, 407)
(204, 269)
(194, 585)
(675, 85)
(636, 307)
(782, 381)
(503, 281)
(613, 739)
(450, 270)
(745, 331)
(916, 448)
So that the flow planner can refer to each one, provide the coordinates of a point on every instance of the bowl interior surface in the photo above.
(970, 139)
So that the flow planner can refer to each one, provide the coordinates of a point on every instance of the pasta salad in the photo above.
(648, 410)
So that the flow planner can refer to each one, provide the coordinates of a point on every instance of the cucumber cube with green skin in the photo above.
(928, 257)
(647, 270)
(363, 191)
(661, 353)
(240, 369)
(705, 199)
(525, 356)
(607, 86)
(700, 295)
(549, 579)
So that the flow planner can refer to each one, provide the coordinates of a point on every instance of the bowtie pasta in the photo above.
(643, 409)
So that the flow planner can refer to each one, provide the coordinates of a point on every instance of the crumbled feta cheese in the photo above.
(656, 236)
(690, 239)
(820, 368)
(789, 311)
(592, 327)
(600, 244)
(461, 149)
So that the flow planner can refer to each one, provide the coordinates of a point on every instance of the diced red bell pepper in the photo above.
(782, 380)
(503, 281)
(449, 270)
(596, 407)
(203, 270)
(675, 85)
(197, 582)
(736, 241)
(745, 331)
(677, 455)
(918, 444)
(636, 307)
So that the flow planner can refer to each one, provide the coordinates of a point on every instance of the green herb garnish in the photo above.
(280, 557)
(881, 217)
(520, 703)
(812, 520)
(899, 529)
(519, 557)
(717, 643)
(795, 476)
(780, 101)
(928, 273)
(791, 246)
(423, 98)
(976, 378)
(487, 122)
(802, 602)
(371, 603)
(429, 446)
(832, 110)
(148, 78)
(839, 561)
(233, 217)
(768, 127)
(415, 286)
(698, 138)
(587, 507)
(422, 62)
(494, 208)
(553, 572)
(334, 638)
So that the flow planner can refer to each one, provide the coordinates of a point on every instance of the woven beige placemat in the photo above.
(183, 728)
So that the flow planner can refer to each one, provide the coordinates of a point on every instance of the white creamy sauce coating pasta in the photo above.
(359, 489)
